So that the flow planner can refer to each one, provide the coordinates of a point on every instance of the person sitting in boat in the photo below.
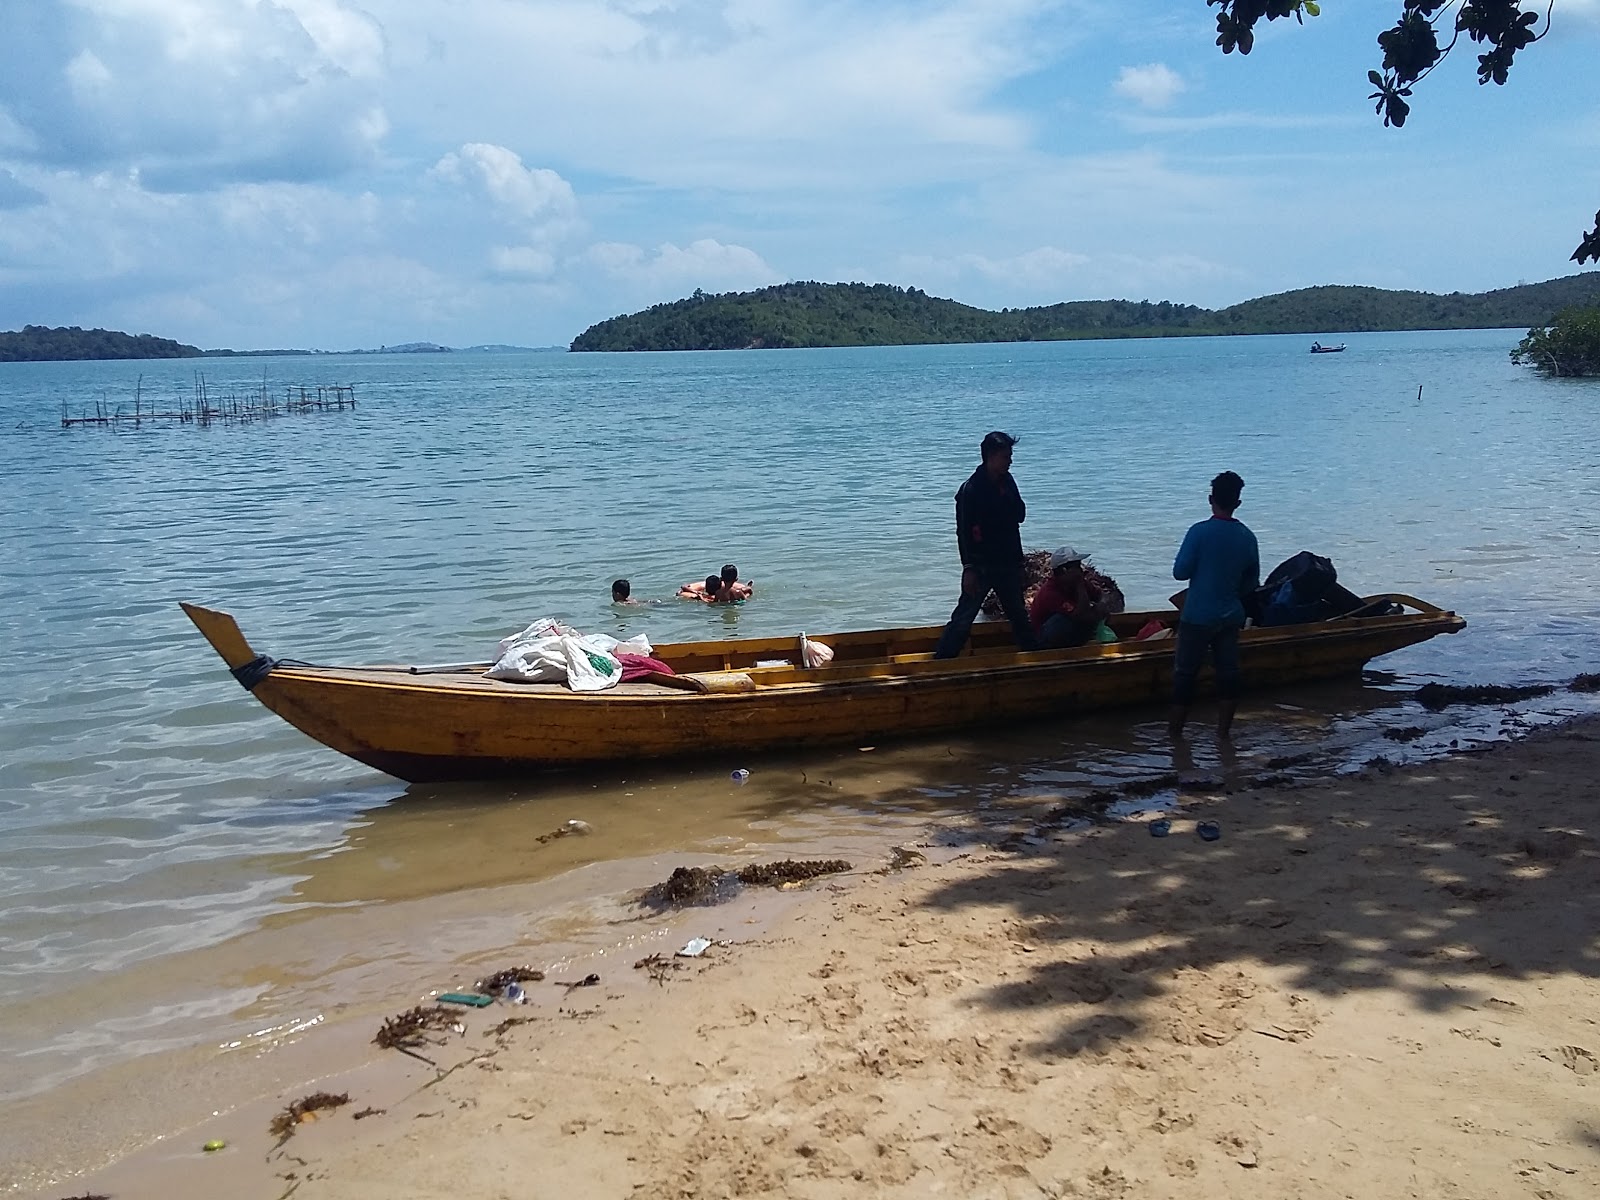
(622, 593)
(1068, 605)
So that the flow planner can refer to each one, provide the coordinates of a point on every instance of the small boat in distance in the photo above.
(1319, 348)
(749, 694)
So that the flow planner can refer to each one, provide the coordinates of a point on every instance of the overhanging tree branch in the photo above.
(1411, 50)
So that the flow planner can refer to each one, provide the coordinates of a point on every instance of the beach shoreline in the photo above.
(1381, 984)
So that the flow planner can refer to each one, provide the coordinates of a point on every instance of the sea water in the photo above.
(152, 814)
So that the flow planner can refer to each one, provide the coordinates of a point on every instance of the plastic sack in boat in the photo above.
(637, 644)
(814, 654)
(1103, 634)
(589, 668)
(544, 627)
(530, 660)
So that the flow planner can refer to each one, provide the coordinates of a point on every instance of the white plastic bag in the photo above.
(589, 668)
(533, 655)
(637, 644)
(536, 660)
(544, 627)
(814, 654)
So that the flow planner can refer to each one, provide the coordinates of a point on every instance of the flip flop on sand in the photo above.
(1209, 831)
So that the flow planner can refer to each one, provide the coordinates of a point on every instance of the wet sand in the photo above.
(1377, 985)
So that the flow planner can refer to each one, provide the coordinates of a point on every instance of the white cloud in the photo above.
(524, 193)
(195, 92)
(705, 263)
(525, 262)
(1154, 85)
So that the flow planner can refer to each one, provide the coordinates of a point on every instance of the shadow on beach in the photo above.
(1429, 887)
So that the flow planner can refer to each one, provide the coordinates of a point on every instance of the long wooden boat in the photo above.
(424, 723)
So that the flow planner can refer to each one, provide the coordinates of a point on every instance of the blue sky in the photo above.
(344, 173)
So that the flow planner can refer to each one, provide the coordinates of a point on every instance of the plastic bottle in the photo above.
(740, 775)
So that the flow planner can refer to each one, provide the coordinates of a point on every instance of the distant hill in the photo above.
(795, 315)
(36, 343)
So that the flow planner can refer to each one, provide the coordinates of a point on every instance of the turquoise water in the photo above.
(147, 806)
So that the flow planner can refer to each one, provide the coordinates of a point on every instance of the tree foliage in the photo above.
(1569, 345)
(794, 315)
(36, 343)
(1412, 49)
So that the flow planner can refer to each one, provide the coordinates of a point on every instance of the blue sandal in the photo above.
(1209, 831)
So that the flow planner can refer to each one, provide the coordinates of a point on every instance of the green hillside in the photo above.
(36, 343)
(794, 315)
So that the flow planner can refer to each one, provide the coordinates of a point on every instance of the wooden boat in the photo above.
(448, 723)
(1319, 348)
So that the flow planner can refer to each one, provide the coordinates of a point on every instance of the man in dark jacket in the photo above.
(989, 515)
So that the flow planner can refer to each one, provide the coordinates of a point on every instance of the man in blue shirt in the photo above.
(1220, 560)
(989, 515)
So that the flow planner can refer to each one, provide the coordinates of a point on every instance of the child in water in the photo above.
(725, 585)
(622, 593)
(712, 591)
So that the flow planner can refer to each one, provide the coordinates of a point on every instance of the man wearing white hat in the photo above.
(1067, 607)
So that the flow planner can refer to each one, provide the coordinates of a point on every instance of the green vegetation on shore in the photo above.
(794, 315)
(1569, 346)
(36, 343)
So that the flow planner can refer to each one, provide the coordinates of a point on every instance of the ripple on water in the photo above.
(150, 809)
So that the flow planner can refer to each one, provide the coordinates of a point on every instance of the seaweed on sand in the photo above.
(1435, 697)
(690, 885)
(302, 1110)
(496, 983)
(713, 885)
(776, 874)
(411, 1028)
(88, 1196)
(1406, 733)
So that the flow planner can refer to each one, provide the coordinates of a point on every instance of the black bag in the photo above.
(1302, 588)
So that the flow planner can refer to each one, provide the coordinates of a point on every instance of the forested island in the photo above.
(36, 343)
(794, 315)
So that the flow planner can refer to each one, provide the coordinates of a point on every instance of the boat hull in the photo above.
(428, 727)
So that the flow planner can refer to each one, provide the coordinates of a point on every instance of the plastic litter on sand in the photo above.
(1209, 831)
(695, 948)
(740, 775)
(1160, 827)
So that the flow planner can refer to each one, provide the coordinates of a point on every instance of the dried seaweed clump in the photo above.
(303, 1110)
(412, 1028)
(690, 885)
(496, 983)
(1435, 697)
(1585, 683)
(87, 1196)
(1406, 733)
(776, 874)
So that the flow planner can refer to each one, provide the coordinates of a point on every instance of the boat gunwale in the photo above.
(999, 664)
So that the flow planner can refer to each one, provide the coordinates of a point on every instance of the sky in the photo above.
(334, 174)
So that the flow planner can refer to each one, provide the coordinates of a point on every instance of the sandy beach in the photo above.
(1379, 985)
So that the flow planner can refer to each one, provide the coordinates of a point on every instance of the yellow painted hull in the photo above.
(882, 684)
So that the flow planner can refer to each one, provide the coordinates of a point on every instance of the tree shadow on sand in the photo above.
(1430, 883)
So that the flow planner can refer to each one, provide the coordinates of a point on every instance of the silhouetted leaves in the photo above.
(1411, 50)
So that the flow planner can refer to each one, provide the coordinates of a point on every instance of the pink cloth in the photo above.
(636, 666)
